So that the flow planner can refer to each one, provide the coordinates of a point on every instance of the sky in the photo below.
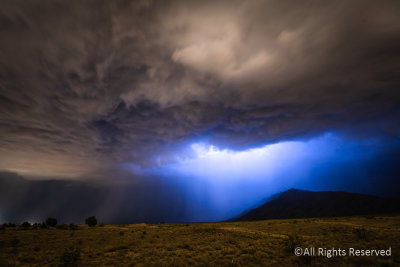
(193, 110)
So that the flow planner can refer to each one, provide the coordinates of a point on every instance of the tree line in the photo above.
(91, 221)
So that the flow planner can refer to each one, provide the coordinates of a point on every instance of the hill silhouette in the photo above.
(296, 203)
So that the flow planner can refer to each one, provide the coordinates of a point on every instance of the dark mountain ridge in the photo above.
(296, 203)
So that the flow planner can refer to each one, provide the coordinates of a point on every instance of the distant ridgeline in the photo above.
(306, 204)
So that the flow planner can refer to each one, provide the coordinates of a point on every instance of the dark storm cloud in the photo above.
(72, 201)
(171, 197)
(86, 84)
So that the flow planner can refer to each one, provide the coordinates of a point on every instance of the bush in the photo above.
(362, 233)
(14, 244)
(51, 222)
(91, 221)
(70, 257)
(292, 242)
(63, 227)
(73, 226)
(26, 224)
(117, 248)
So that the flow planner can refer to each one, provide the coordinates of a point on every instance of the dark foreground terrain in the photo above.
(259, 243)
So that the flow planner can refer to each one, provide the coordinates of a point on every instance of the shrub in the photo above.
(70, 257)
(73, 226)
(26, 224)
(361, 233)
(14, 245)
(51, 222)
(27, 259)
(292, 242)
(91, 221)
(14, 242)
(63, 227)
(117, 248)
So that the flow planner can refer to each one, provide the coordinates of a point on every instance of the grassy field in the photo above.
(261, 243)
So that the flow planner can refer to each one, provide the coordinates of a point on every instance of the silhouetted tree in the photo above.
(51, 221)
(26, 224)
(91, 221)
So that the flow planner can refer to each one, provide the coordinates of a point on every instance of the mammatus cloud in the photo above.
(84, 85)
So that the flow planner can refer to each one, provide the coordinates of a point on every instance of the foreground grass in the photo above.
(261, 243)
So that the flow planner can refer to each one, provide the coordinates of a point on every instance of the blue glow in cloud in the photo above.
(227, 165)
(221, 183)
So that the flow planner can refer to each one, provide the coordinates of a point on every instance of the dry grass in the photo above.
(262, 243)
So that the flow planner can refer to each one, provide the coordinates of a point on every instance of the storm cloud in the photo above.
(217, 186)
(85, 85)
